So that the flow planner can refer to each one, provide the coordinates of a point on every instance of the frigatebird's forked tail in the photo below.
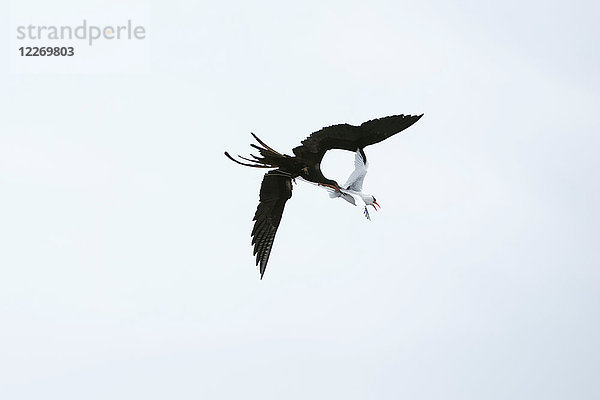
(268, 158)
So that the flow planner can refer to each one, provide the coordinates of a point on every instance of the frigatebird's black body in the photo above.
(276, 186)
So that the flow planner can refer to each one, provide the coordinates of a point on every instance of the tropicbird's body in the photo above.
(351, 191)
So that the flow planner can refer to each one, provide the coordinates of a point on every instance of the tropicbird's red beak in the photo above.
(376, 204)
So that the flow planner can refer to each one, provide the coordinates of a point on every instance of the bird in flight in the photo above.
(276, 187)
(351, 191)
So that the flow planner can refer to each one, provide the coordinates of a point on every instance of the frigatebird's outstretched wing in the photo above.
(350, 137)
(275, 190)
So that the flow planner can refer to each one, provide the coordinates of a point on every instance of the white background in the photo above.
(125, 262)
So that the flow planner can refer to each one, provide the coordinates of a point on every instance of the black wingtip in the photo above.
(263, 268)
(412, 119)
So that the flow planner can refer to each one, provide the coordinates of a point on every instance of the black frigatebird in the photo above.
(276, 186)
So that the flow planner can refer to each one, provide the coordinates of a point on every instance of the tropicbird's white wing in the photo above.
(355, 180)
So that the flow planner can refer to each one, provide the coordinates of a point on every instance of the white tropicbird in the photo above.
(351, 191)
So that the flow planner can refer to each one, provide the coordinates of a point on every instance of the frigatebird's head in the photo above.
(370, 201)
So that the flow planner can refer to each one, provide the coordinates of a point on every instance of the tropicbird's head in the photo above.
(369, 200)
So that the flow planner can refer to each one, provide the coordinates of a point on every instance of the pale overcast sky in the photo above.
(126, 269)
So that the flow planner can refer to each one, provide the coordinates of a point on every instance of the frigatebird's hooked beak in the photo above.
(376, 204)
